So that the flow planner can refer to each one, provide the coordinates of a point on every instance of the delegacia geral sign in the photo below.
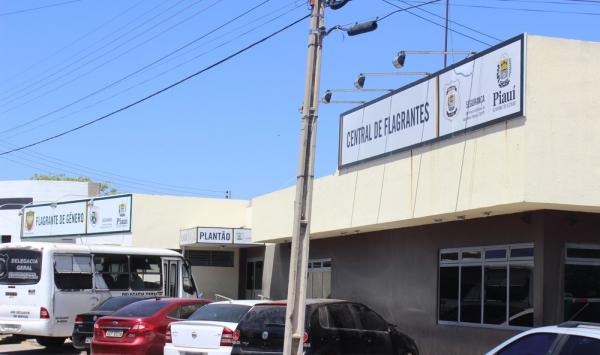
(477, 91)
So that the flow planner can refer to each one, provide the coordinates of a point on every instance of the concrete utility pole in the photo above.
(296, 300)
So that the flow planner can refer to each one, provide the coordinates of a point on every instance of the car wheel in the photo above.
(50, 342)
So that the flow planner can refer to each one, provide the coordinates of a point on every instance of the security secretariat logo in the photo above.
(452, 103)
(122, 209)
(29, 218)
(93, 217)
(503, 70)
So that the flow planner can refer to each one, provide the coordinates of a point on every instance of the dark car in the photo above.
(84, 323)
(140, 328)
(332, 327)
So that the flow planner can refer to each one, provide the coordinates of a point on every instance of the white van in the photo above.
(43, 286)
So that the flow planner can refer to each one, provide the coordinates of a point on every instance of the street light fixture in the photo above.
(359, 83)
(326, 99)
(400, 58)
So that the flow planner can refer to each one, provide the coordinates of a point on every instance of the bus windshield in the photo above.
(20, 267)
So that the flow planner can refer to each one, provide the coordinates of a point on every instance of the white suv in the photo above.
(209, 330)
(569, 338)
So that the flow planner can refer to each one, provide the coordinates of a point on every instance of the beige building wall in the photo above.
(160, 218)
(157, 221)
(543, 160)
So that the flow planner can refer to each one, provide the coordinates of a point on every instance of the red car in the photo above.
(140, 327)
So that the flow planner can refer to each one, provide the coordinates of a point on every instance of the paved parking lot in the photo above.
(10, 346)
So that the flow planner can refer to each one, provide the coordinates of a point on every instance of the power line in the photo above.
(108, 61)
(405, 9)
(457, 23)
(158, 92)
(113, 177)
(437, 24)
(530, 10)
(138, 70)
(171, 68)
(109, 43)
(62, 49)
(38, 8)
(133, 187)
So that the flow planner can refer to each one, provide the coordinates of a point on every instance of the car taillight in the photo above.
(79, 319)
(141, 327)
(227, 337)
(44, 314)
(168, 338)
(97, 330)
(305, 339)
(235, 338)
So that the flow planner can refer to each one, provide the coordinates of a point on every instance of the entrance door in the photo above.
(318, 284)
(171, 277)
(254, 272)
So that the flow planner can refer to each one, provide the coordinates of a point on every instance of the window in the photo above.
(184, 311)
(6, 239)
(340, 316)
(188, 281)
(72, 272)
(111, 272)
(144, 308)
(231, 313)
(578, 345)
(538, 343)
(210, 258)
(487, 285)
(145, 273)
(369, 320)
(582, 283)
(114, 303)
(20, 267)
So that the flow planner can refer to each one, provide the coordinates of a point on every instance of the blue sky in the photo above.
(235, 127)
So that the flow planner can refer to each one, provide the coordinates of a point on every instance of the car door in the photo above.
(341, 332)
(375, 330)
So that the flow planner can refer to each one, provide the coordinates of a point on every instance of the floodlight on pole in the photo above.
(400, 58)
(359, 83)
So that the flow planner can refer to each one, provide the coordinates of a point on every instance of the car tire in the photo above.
(50, 342)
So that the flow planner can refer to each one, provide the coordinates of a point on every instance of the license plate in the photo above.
(88, 340)
(114, 333)
(10, 327)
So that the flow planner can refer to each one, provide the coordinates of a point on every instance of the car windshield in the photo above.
(220, 313)
(114, 303)
(141, 308)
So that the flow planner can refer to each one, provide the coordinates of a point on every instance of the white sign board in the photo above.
(482, 90)
(242, 236)
(188, 236)
(109, 215)
(215, 235)
(401, 120)
(54, 220)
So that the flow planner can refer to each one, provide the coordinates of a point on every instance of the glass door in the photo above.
(171, 277)
(254, 271)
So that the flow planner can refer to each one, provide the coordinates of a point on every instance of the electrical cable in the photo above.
(405, 9)
(105, 62)
(456, 23)
(74, 57)
(38, 8)
(77, 169)
(138, 70)
(437, 24)
(62, 49)
(158, 92)
(166, 71)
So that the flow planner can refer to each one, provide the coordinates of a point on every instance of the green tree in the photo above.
(105, 186)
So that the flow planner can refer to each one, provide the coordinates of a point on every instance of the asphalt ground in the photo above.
(18, 346)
